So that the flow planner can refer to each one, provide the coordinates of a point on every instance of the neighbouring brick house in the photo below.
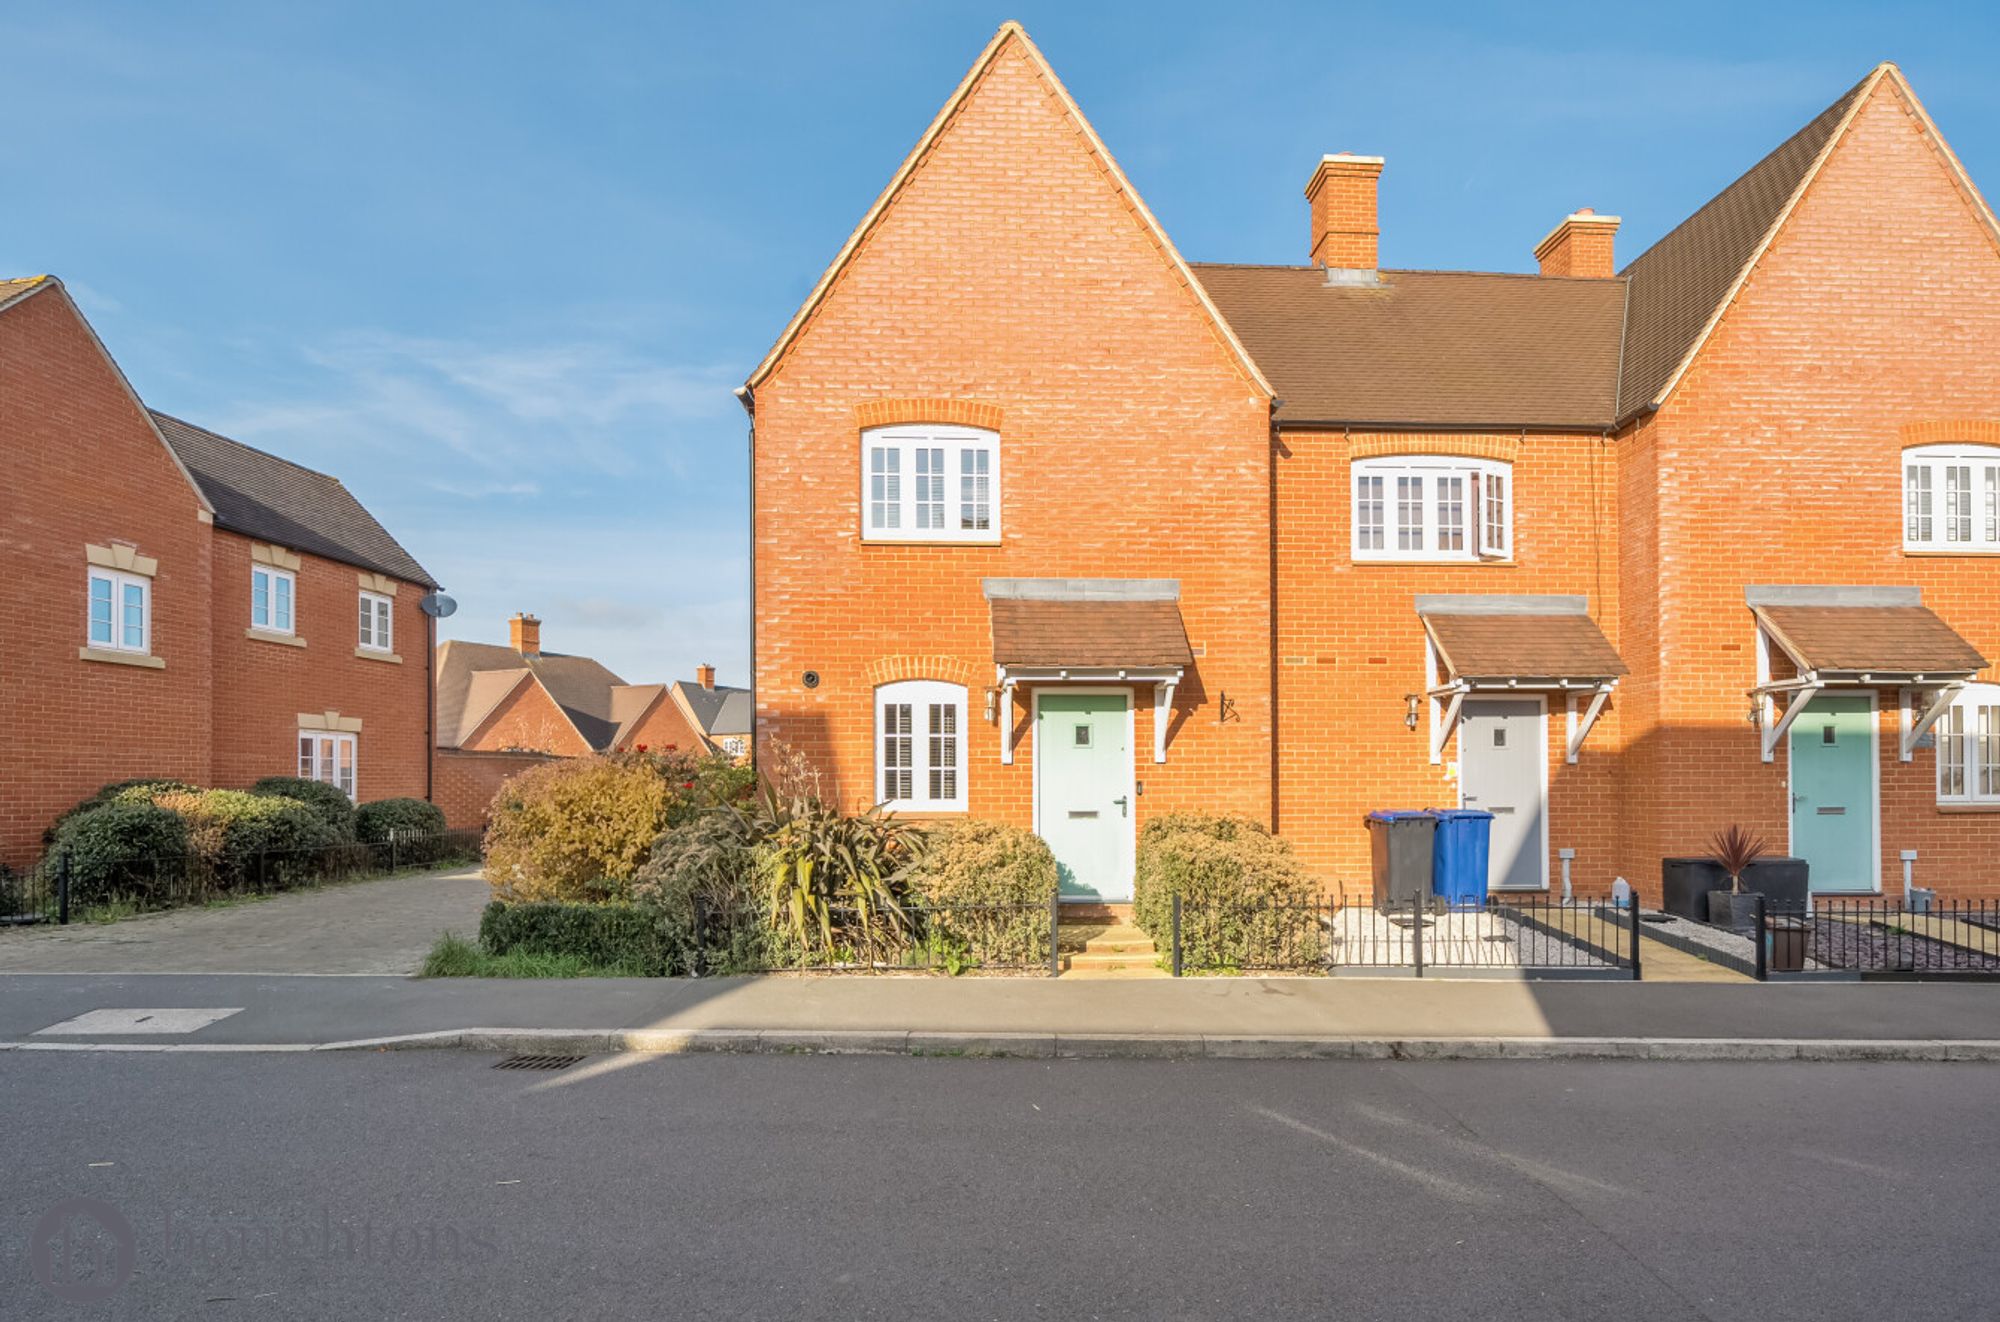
(1052, 526)
(179, 604)
(503, 709)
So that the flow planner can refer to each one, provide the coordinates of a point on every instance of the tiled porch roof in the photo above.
(1088, 623)
(1893, 640)
(1502, 637)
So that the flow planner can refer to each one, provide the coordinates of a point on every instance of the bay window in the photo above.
(1968, 748)
(1432, 507)
(920, 746)
(1951, 498)
(925, 483)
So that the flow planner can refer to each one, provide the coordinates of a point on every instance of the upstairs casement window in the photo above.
(376, 622)
(271, 595)
(328, 758)
(1951, 498)
(120, 615)
(923, 483)
(1968, 748)
(920, 746)
(1433, 508)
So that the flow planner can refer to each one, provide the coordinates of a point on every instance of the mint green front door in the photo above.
(1833, 792)
(1083, 791)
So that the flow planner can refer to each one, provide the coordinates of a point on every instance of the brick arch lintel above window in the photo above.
(957, 412)
(889, 669)
(1506, 449)
(122, 555)
(1942, 431)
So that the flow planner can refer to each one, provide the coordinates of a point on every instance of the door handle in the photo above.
(1798, 799)
(1122, 806)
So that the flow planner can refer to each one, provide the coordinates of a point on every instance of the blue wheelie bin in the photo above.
(1458, 855)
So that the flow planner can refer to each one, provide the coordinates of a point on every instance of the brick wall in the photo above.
(262, 686)
(1010, 274)
(1350, 647)
(1776, 460)
(468, 779)
(81, 464)
(665, 726)
(527, 718)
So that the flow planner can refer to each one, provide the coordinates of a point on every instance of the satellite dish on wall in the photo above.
(437, 605)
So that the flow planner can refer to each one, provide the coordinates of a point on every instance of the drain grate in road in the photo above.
(537, 1062)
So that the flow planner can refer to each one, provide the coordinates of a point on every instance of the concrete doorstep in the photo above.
(1099, 1046)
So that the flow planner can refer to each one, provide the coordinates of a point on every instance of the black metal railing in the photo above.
(948, 938)
(62, 888)
(1527, 933)
(1880, 937)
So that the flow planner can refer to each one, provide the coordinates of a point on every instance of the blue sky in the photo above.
(499, 265)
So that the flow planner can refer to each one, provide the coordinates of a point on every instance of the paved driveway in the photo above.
(379, 927)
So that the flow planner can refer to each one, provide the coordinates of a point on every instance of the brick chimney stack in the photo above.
(705, 675)
(525, 633)
(1580, 245)
(1341, 194)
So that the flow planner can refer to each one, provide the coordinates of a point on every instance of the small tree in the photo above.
(1736, 849)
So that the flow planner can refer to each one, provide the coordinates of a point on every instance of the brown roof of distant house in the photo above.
(1679, 283)
(1089, 633)
(276, 500)
(585, 690)
(1432, 348)
(1523, 646)
(1892, 640)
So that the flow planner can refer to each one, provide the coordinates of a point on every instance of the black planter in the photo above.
(1685, 884)
(1738, 913)
(1782, 882)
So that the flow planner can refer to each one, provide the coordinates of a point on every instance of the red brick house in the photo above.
(178, 604)
(1053, 526)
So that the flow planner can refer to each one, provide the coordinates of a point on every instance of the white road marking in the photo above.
(105, 1023)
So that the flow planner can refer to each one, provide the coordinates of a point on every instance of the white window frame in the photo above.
(960, 447)
(921, 695)
(273, 576)
(1480, 538)
(119, 581)
(1981, 465)
(319, 759)
(1965, 745)
(375, 607)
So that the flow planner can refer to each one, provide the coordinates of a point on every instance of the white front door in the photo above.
(1503, 754)
(1083, 789)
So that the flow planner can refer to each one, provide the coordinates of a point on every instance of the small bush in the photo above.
(121, 850)
(329, 801)
(704, 878)
(374, 821)
(253, 841)
(1212, 825)
(636, 940)
(971, 863)
(581, 828)
(138, 790)
(1245, 900)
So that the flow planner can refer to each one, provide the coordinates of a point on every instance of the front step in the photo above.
(1121, 940)
(1146, 960)
(1096, 914)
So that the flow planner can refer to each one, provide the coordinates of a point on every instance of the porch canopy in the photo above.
(1856, 637)
(1495, 643)
(1088, 631)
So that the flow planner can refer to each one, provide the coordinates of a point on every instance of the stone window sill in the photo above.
(267, 636)
(1968, 807)
(144, 660)
(367, 655)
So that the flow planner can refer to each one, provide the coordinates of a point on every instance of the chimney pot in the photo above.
(1581, 244)
(1341, 194)
(525, 633)
(705, 675)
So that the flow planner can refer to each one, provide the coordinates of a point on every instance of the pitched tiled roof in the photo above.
(275, 500)
(1518, 638)
(13, 288)
(629, 703)
(1679, 283)
(1093, 623)
(719, 711)
(580, 686)
(1891, 640)
(1433, 348)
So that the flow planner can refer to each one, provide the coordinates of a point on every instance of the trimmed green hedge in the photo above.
(329, 801)
(118, 849)
(140, 789)
(639, 940)
(374, 821)
(1245, 900)
(979, 863)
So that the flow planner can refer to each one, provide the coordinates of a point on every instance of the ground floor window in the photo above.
(1968, 747)
(920, 746)
(327, 757)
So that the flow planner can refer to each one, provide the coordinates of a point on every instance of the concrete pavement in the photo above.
(432, 1186)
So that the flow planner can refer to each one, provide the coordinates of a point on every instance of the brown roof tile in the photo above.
(1434, 348)
(1089, 633)
(1884, 639)
(1512, 646)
